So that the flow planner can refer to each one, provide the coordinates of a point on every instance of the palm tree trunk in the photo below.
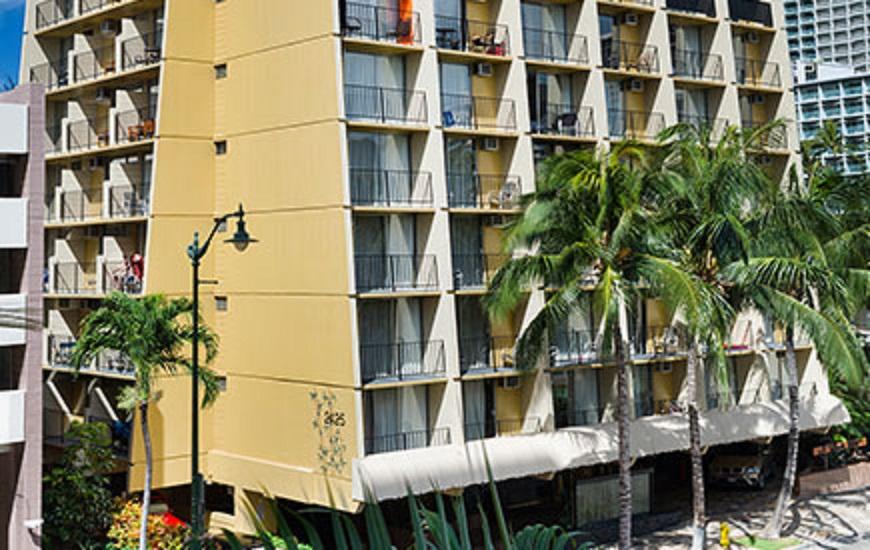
(146, 491)
(698, 515)
(624, 448)
(774, 527)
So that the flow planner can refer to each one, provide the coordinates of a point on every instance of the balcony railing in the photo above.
(751, 72)
(385, 105)
(772, 138)
(52, 12)
(134, 125)
(390, 188)
(60, 350)
(648, 3)
(501, 427)
(75, 278)
(87, 6)
(644, 405)
(381, 23)
(51, 75)
(140, 51)
(704, 7)
(53, 138)
(561, 119)
(659, 341)
(751, 10)
(83, 135)
(634, 124)
(453, 33)
(403, 441)
(475, 271)
(555, 47)
(121, 277)
(402, 360)
(697, 65)
(94, 64)
(482, 354)
(574, 347)
(475, 113)
(578, 414)
(483, 191)
(77, 206)
(715, 126)
(619, 55)
(127, 202)
(396, 273)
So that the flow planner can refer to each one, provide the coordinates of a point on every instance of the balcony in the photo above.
(95, 278)
(555, 47)
(140, 51)
(127, 202)
(477, 37)
(94, 64)
(629, 56)
(775, 138)
(134, 125)
(715, 127)
(483, 191)
(406, 440)
(659, 341)
(11, 417)
(702, 7)
(76, 206)
(478, 355)
(13, 307)
(502, 427)
(114, 363)
(374, 188)
(695, 65)
(563, 120)
(385, 105)
(396, 273)
(758, 74)
(641, 3)
(13, 223)
(402, 361)
(51, 75)
(574, 347)
(579, 414)
(638, 125)
(752, 11)
(52, 12)
(381, 24)
(475, 271)
(478, 113)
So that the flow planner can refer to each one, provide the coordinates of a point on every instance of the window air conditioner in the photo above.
(663, 368)
(510, 382)
(634, 85)
(490, 144)
(483, 69)
(752, 37)
(630, 19)
(95, 163)
(110, 27)
(104, 96)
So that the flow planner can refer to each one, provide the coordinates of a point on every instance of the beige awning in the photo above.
(391, 475)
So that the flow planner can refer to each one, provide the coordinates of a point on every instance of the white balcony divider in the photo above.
(13, 306)
(13, 223)
(13, 129)
(11, 417)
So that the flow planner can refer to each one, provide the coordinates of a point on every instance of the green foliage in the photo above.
(162, 534)
(77, 503)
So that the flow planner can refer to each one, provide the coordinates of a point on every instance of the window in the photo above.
(220, 71)
(220, 147)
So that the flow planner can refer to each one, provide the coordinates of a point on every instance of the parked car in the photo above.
(751, 468)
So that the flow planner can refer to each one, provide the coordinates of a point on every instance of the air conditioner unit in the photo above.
(663, 368)
(630, 19)
(509, 383)
(483, 69)
(490, 144)
(110, 27)
(104, 96)
(634, 85)
(93, 232)
(756, 99)
(752, 37)
(496, 221)
(96, 163)
(765, 160)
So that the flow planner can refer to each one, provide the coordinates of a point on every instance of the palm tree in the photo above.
(806, 272)
(154, 333)
(583, 231)
(703, 218)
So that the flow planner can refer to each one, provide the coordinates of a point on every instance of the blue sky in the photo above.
(11, 19)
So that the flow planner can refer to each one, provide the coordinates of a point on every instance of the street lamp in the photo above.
(240, 239)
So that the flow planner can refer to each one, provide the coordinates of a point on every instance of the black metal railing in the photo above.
(475, 270)
(643, 405)
(396, 272)
(53, 138)
(52, 12)
(487, 353)
(705, 7)
(390, 188)
(751, 72)
(555, 47)
(51, 75)
(578, 415)
(119, 276)
(714, 126)
(134, 125)
(84, 134)
(74, 206)
(407, 440)
(140, 51)
(60, 350)
(87, 6)
(562, 119)
(574, 347)
(127, 202)
(454, 33)
(94, 64)
(385, 105)
(75, 278)
(634, 124)
(512, 426)
(771, 138)
(697, 65)
(496, 191)
(635, 2)
(653, 340)
(620, 55)
(472, 112)
(380, 23)
(751, 10)
(402, 360)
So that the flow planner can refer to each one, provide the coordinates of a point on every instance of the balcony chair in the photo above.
(566, 124)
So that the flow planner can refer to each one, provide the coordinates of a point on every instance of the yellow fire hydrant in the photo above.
(724, 535)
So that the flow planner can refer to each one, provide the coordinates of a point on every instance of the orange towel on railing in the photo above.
(405, 30)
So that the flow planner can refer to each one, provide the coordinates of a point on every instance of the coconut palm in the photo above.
(154, 334)
(583, 232)
(808, 273)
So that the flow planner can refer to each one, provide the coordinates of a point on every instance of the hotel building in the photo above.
(379, 148)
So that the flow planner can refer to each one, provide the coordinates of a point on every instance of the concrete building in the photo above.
(829, 31)
(21, 260)
(378, 148)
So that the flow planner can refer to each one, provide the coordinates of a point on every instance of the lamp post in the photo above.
(240, 239)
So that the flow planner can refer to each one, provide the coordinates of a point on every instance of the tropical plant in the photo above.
(154, 334)
(77, 501)
(164, 531)
(585, 232)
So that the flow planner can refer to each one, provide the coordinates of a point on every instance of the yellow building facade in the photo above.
(378, 149)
